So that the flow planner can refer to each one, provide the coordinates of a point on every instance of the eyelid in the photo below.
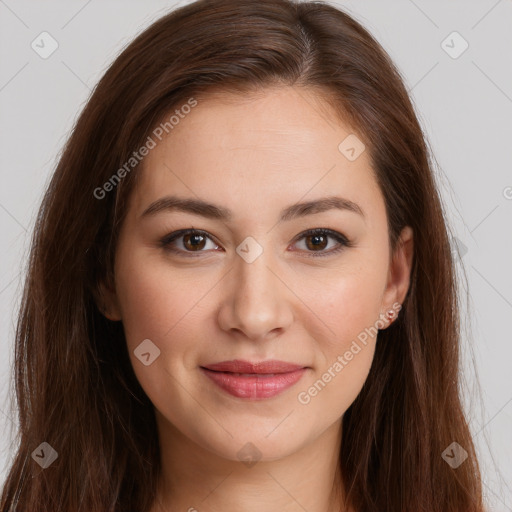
(167, 240)
(342, 240)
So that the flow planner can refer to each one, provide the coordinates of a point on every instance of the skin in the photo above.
(255, 155)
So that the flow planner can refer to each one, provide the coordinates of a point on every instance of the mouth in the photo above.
(254, 381)
(270, 366)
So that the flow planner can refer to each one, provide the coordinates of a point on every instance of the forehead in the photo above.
(257, 152)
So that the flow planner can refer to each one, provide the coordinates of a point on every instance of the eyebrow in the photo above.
(212, 211)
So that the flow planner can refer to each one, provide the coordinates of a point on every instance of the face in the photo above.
(244, 280)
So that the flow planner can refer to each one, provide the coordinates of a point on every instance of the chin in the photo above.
(255, 444)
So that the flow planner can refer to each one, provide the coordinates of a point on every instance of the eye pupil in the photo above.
(187, 238)
(316, 244)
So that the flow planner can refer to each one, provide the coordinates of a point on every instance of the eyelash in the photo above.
(341, 239)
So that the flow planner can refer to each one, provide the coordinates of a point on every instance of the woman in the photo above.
(241, 294)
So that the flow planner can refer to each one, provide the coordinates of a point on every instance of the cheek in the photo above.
(147, 304)
(348, 299)
(349, 304)
(352, 311)
(154, 301)
(157, 306)
(165, 305)
(343, 360)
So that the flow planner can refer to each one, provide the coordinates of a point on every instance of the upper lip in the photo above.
(240, 366)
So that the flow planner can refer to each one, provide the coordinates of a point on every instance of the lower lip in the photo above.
(254, 387)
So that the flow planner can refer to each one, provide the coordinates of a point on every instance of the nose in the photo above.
(258, 303)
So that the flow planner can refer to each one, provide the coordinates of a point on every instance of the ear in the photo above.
(399, 273)
(107, 302)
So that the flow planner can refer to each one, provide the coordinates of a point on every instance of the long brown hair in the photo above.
(75, 387)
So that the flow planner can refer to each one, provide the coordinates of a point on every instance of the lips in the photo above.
(254, 381)
(245, 367)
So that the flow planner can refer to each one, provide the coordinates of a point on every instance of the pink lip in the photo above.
(241, 366)
(261, 380)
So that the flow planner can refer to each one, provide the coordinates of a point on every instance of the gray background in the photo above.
(464, 105)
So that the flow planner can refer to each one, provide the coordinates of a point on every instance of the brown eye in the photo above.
(317, 241)
(187, 241)
(194, 241)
